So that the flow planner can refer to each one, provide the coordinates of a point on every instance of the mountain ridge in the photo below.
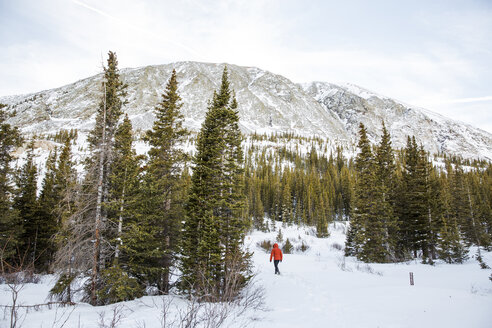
(268, 103)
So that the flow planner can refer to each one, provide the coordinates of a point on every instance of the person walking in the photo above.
(277, 257)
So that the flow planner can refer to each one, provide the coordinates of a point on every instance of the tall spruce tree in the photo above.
(118, 283)
(385, 194)
(479, 202)
(71, 246)
(365, 235)
(10, 224)
(449, 242)
(161, 200)
(286, 199)
(449, 246)
(65, 183)
(466, 211)
(26, 203)
(212, 260)
(414, 223)
(435, 209)
(48, 226)
(98, 169)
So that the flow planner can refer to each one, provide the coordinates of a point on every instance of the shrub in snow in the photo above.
(342, 265)
(288, 247)
(266, 245)
(483, 265)
(302, 247)
(367, 268)
(118, 286)
(311, 232)
(62, 290)
(280, 236)
(336, 246)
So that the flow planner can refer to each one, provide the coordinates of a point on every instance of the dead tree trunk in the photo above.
(97, 223)
(120, 221)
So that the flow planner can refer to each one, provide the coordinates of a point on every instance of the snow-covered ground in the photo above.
(317, 288)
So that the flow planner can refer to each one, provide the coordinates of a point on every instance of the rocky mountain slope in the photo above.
(268, 103)
(437, 133)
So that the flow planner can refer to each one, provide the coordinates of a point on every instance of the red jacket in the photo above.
(276, 253)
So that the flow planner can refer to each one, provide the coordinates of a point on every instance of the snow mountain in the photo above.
(268, 103)
(353, 104)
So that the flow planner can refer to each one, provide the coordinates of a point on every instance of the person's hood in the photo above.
(275, 245)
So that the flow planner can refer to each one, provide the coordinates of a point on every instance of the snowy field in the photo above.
(316, 288)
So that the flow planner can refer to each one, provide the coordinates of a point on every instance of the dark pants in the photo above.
(275, 262)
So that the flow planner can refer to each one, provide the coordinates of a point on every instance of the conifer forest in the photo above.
(130, 224)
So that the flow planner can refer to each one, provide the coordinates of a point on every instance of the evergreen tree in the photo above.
(26, 204)
(460, 203)
(449, 241)
(161, 205)
(385, 194)
(212, 259)
(322, 227)
(117, 282)
(123, 183)
(98, 166)
(346, 190)
(365, 238)
(257, 210)
(449, 248)
(10, 224)
(71, 246)
(286, 199)
(435, 210)
(465, 210)
(413, 214)
(48, 223)
(480, 204)
(65, 183)
(288, 247)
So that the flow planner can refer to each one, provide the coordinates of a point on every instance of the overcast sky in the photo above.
(432, 54)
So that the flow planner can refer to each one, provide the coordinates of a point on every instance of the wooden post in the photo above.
(411, 278)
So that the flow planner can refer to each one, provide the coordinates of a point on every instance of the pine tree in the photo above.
(123, 183)
(435, 210)
(288, 247)
(10, 224)
(161, 205)
(98, 165)
(346, 190)
(286, 199)
(212, 259)
(460, 204)
(258, 211)
(414, 209)
(48, 226)
(26, 204)
(364, 164)
(479, 201)
(322, 227)
(366, 235)
(117, 282)
(450, 248)
(71, 246)
(65, 183)
(385, 194)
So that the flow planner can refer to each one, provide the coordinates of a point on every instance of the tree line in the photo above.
(402, 204)
(407, 207)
